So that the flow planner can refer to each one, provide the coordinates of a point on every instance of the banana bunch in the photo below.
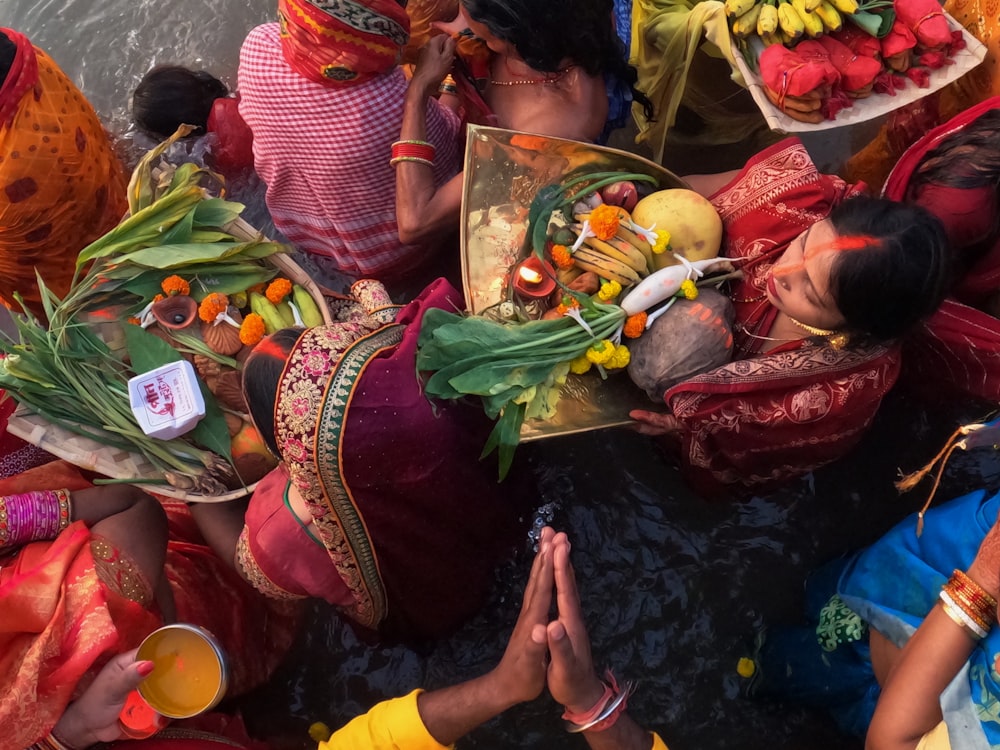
(625, 258)
(785, 21)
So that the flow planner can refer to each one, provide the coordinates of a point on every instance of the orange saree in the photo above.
(68, 605)
(61, 185)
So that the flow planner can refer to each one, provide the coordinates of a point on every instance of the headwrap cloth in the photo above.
(22, 76)
(342, 42)
(310, 414)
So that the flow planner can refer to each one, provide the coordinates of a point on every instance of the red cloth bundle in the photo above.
(861, 42)
(789, 73)
(926, 20)
(899, 39)
(856, 71)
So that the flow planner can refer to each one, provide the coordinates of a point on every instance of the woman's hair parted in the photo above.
(546, 32)
(261, 374)
(169, 96)
(897, 279)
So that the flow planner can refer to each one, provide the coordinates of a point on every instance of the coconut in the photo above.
(690, 338)
(694, 224)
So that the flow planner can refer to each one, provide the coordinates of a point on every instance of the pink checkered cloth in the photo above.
(324, 154)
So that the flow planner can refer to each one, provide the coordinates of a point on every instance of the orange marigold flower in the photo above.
(212, 306)
(278, 289)
(257, 288)
(252, 329)
(175, 285)
(159, 298)
(134, 321)
(561, 256)
(604, 221)
(568, 303)
(635, 325)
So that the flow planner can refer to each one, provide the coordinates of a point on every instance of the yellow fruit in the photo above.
(694, 225)
(746, 24)
(267, 311)
(767, 22)
(789, 21)
(811, 23)
(736, 8)
(848, 7)
(830, 16)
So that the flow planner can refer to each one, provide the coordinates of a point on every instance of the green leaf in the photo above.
(504, 438)
(146, 351)
(216, 212)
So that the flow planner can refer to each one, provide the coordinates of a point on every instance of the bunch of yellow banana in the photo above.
(625, 258)
(785, 21)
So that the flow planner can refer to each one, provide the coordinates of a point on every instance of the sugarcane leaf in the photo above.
(180, 232)
(216, 212)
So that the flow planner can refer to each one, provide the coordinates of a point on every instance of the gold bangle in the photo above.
(427, 162)
(413, 143)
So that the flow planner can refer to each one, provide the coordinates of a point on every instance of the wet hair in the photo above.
(171, 95)
(261, 374)
(546, 32)
(886, 287)
(8, 51)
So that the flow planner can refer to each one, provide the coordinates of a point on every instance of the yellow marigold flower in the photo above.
(619, 359)
(175, 285)
(278, 289)
(561, 256)
(662, 241)
(604, 221)
(319, 732)
(609, 290)
(580, 365)
(688, 290)
(601, 352)
(212, 306)
(252, 329)
(745, 667)
(635, 325)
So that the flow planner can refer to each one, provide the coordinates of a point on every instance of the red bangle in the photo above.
(587, 717)
(413, 150)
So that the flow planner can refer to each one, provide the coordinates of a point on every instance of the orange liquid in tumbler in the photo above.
(187, 675)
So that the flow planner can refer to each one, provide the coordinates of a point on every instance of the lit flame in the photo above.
(530, 275)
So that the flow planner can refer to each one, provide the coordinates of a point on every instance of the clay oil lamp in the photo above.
(175, 312)
(534, 278)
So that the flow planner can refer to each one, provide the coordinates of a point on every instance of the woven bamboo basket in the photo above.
(124, 465)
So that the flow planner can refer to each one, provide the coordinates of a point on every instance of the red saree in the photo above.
(959, 346)
(764, 418)
(61, 185)
(63, 613)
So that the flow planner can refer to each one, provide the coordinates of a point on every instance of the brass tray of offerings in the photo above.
(504, 170)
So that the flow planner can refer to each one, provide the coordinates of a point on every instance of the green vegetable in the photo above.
(516, 369)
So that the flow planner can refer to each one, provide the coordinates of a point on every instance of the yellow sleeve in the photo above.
(658, 744)
(390, 725)
(936, 739)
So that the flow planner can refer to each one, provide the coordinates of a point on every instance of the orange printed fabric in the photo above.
(61, 185)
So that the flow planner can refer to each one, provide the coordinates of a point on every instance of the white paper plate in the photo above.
(875, 105)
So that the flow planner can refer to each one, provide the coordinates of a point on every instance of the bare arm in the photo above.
(422, 212)
(709, 184)
(453, 712)
(910, 705)
(571, 676)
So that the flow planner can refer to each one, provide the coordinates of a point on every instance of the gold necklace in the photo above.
(811, 329)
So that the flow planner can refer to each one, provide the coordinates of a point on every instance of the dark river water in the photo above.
(673, 587)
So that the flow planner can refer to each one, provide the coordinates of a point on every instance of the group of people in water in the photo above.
(841, 293)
